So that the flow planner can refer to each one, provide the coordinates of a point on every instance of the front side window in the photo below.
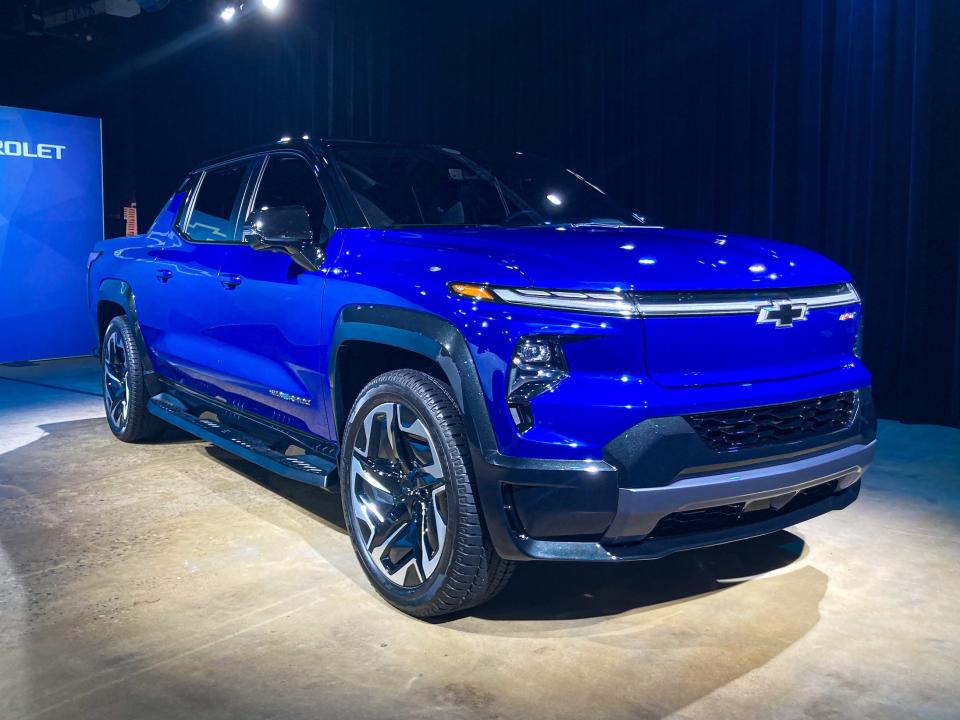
(289, 180)
(214, 215)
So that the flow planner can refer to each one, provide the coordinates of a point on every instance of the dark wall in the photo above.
(834, 125)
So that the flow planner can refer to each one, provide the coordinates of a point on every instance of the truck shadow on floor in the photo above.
(316, 501)
(548, 590)
(576, 590)
(643, 639)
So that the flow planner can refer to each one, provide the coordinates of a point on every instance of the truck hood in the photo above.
(605, 257)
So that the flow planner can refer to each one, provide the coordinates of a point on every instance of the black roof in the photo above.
(300, 144)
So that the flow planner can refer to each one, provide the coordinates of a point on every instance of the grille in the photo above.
(693, 521)
(775, 424)
(727, 516)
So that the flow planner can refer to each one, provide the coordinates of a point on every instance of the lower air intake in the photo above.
(775, 424)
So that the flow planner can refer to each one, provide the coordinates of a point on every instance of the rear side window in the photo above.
(214, 214)
(289, 180)
(183, 196)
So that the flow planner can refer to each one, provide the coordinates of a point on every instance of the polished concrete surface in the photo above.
(173, 581)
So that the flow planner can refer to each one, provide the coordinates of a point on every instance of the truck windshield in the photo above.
(400, 186)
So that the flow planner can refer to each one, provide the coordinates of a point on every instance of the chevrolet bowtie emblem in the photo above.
(783, 313)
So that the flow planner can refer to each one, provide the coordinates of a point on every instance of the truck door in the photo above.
(183, 325)
(273, 356)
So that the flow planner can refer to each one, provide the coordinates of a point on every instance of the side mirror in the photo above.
(273, 226)
(284, 229)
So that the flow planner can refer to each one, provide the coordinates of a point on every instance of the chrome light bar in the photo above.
(656, 304)
(735, 304)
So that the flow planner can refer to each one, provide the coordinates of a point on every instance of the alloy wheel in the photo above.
(116, 386)
(398, 495)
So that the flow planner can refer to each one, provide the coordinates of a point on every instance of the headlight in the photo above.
(606, 303)
(538, 366)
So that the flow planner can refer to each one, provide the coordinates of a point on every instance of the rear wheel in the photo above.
(409, 499)
(124, 393)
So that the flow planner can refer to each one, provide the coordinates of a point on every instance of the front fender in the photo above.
(590, 486)
(429, 336)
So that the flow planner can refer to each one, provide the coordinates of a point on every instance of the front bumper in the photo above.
(770, 492)
(656, 492)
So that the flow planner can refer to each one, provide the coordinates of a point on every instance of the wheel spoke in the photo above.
(386, 530)
(402, 573)
(380, 553)
(429, 552)
(398, 494)
(377, 426)
(114, 387)
(116, 383)
(415, 428)
(415, 540)
(397, 551)
(398, 444)
(118, 411)
(111, 374)
(434, 531)
(438, 507)
(377, 474)
(370, 500)
(418, 445)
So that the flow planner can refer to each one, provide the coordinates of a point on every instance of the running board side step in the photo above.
(310, 467)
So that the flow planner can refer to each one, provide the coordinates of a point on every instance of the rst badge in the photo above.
(289, 397)
(782, 313)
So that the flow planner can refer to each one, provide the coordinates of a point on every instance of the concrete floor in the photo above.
(173, 581)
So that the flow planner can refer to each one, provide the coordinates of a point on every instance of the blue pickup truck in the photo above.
(487, 357)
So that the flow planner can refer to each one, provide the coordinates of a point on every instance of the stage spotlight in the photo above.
(228, 13)
(271, 5)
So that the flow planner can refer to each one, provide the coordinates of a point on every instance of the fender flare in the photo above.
(119, 292)
(424, 334)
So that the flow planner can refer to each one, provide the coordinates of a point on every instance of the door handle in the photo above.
(164, 275)
(230, 280)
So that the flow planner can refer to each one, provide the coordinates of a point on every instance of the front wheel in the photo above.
(124, 393)
(409, 499)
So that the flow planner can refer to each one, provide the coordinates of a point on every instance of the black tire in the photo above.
(466, 570)
(124, 392)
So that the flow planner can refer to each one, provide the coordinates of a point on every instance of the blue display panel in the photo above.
(51, 214)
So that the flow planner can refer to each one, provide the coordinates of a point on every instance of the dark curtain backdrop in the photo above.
(834, 125)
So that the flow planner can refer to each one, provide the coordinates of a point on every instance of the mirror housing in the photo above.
(284, 229)
(273, 226)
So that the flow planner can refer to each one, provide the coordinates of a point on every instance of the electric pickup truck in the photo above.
(489, 359)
